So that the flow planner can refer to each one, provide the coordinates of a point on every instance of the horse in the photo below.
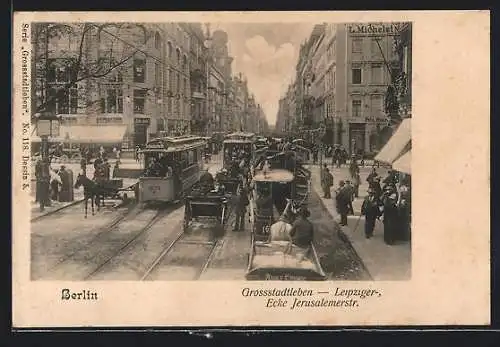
(91, 190)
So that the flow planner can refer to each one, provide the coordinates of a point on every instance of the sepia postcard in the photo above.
(183, 169)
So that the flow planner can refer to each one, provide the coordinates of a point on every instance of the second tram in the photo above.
(172, 166)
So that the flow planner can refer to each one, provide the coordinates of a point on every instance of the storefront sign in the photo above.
(372, 29)
(145, 121)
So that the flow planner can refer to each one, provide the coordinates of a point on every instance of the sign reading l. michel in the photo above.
(375, 28)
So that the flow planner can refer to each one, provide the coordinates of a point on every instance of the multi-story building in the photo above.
(152, 78)
(132, 74)
(198, 78)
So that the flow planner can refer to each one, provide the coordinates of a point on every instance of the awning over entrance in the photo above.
(396, 144)
(99, 134)
(403, 164)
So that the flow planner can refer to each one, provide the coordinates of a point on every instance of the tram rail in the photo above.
(179, 242)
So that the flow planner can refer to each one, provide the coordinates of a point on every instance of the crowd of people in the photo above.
(387, 199)
(52, 184)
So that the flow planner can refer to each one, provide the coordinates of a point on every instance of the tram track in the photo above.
(89, 258)
(136, 235)
(181, 240)
(57, 211)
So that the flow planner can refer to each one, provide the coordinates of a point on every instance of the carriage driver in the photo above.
(207, 181)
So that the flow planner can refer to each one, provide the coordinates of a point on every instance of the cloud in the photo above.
(269, 69)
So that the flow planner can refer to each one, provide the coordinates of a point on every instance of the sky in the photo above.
(266, 53)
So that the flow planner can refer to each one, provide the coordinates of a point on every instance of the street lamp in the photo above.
(47, 125)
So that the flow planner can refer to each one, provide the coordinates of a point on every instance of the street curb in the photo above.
(343, 236)
(56, 210)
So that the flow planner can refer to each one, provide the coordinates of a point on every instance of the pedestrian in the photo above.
(241, 209)
(356, 184)
(349, 190)
(391, 216)
(64, 194)
(371, 210)
(327, 183)
(341, 202)
(55, 184)
(83, 166)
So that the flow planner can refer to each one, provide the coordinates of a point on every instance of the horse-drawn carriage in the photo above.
(205, 209)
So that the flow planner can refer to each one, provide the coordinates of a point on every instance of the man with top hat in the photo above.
(391, 215)
(371, 210)
(326, 182)
(342, 203)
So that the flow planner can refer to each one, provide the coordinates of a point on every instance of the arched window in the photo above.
(157, 40)
(178, 56)
(169, 50)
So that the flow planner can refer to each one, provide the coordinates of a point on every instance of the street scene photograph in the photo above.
(181, 151)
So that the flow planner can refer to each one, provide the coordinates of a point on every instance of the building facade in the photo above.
(344, 75)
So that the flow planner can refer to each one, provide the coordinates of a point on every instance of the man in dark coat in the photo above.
(241, 209)
(64, 194)
(42, 174)
(327, 183)
(391, 217)
(371, 210)
(341, 201)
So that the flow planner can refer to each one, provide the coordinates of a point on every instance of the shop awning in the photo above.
(396, 144)
(403, 164)
(99, 134)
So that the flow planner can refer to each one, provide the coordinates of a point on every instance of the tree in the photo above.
(65, 55)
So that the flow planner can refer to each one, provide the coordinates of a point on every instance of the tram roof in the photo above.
(275, 175)
(174, 144)
(238, 141)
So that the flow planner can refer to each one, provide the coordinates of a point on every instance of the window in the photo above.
(58, 71)
(376, 105)
(405, 59)
(186, 87)
(157, 74)
(356, 75)
(375, 49)
(356, 108)
(169, 50)
(66, 101)
(113, 101)
(160, 125)
(357, 45)
(178, 82)
(139, 70)
(170, 80)
(376, 77)
(139, 100)
(157, 40)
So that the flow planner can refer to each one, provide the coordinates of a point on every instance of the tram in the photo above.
(234, 146)
(172, 166)
(281, 184)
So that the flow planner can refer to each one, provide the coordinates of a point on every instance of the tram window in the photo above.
(184, 160)
(190, 157)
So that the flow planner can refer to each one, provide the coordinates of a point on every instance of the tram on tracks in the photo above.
(235, 147)
(172, 166)
(280, 186)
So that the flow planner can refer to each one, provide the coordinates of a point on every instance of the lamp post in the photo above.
(47, 125)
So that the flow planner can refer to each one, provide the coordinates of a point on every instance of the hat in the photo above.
(370, 190)
(341, 183)
(63, 167)
(304, 212)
